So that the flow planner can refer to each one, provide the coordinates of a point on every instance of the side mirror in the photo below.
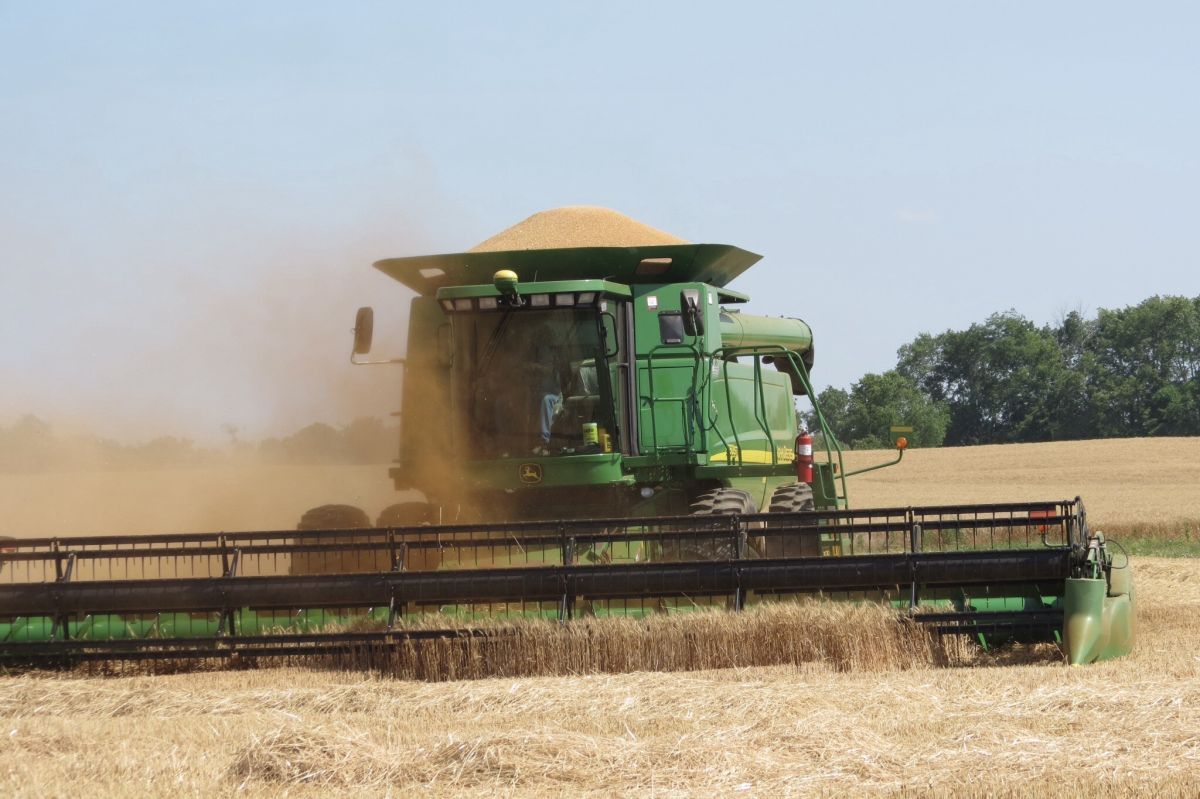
(693, 319)
(364, 329)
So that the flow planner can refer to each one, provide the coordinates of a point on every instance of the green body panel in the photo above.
(743, 330)
(1098, 622)
(178, 625)
(666, 420)
(556, 472)
(751, 414)
(825, 493)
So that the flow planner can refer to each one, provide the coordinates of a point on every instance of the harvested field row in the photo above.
(1113, 729)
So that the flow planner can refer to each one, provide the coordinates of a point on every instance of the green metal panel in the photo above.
(749, 426)
(825, 493)
(651, 300)
(746, 330)
(665, 411)
(533, 473)
(1097, 625)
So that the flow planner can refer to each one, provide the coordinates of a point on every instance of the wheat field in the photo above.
(852, 705)
(1122, 481)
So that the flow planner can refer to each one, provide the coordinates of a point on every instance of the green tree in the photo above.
(1128, 372)
(1143, 370)
(835, 406)
(862, 417)
(1003, 380)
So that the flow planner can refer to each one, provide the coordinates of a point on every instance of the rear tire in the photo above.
(724, 502)
(406, 514)
(329, 517)
(792, 498)
(412, 514)
(334, 517)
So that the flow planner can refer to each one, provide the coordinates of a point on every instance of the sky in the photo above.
(191, 195)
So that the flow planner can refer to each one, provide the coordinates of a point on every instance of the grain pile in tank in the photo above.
(576, 226)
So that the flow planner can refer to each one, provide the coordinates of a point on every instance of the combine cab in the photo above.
(596, 431)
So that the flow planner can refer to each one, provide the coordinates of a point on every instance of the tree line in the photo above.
(1134, 371)
(31, 444)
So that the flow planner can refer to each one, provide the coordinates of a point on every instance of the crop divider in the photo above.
(229, 566)
(63, 575)
(914, 548)
(738, 541)
(399, 556)
(566, 606)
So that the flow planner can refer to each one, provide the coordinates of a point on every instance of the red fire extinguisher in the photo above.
(804, 458)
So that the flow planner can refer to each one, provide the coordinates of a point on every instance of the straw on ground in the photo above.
(1120, 728)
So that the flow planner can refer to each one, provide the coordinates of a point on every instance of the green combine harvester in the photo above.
(594, 431)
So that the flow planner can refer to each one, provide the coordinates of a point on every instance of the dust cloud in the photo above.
(149, 414)
(171, 360)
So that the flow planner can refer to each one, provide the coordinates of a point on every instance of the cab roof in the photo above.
(714, 264)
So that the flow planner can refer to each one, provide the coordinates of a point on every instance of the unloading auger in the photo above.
(594, 431)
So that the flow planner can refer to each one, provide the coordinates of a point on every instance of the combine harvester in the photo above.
(595, 430)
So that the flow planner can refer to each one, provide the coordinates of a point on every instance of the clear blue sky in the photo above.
(190, 197)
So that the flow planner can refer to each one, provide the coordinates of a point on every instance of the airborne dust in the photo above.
(174, 409)
(198, 399)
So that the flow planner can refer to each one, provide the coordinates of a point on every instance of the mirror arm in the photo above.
(604, 335)
(354, 360)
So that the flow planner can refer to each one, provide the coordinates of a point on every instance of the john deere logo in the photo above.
(531, 473)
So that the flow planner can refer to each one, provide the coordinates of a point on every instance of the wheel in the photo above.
(724, 502)
(792, 498)
(332, 517)
(718, 502)
(406, 514)
(412, 514)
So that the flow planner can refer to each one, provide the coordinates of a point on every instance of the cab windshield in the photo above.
(532, 382)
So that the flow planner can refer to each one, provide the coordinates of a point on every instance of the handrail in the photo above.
(651, 399)
(830, 442)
